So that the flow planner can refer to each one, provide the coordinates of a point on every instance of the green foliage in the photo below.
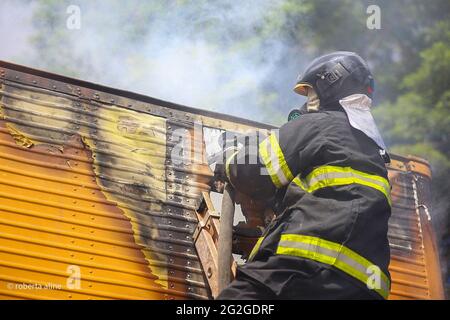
(422, 114)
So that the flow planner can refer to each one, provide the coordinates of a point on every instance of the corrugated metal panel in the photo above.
(414, 258)
(88, 184)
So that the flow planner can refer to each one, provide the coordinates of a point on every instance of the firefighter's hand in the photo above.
(220, 178)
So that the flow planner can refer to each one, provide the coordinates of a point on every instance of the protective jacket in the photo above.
(334, 209)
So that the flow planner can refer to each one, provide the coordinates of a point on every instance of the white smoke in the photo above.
(203, 54)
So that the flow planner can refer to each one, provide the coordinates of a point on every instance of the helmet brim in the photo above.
(302, 88)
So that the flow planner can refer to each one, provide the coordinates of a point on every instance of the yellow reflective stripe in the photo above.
(255, 248)
(328, 176)
(281, 160)
(300, 183)
(333, 254)
(227, 165)
(325, 170)
(264, 153)
(332, 246)
(273, 159)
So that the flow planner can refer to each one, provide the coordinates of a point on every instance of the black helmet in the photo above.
(335, 76)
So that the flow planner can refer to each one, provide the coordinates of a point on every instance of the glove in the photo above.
(220, 176)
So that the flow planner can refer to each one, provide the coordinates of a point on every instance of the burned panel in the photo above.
(89, 182)
(126, 159)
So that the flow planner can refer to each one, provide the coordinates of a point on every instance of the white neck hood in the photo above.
(357, 107)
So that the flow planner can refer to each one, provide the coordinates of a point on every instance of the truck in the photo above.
(93, 204)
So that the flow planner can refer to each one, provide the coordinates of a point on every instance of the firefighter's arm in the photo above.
(244, 169)
(277, 158)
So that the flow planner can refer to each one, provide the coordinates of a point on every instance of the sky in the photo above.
(185, 54)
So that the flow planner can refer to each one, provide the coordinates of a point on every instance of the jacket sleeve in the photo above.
(277, 158)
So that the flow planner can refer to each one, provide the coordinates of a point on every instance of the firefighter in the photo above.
(325, 171)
